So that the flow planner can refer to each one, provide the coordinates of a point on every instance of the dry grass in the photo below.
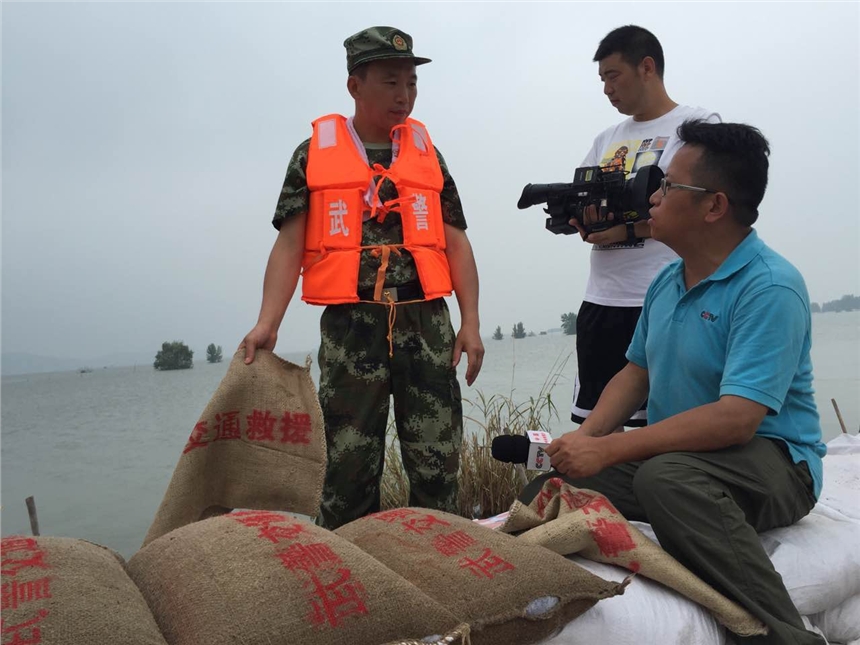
(487, 486)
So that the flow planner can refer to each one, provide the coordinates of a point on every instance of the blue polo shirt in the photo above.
(744, 331)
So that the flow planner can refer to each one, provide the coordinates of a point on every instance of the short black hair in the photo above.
(634, 44)
(734, 160)
(361, 71)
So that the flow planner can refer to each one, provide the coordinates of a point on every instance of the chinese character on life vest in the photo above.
(336, 212)
(419, 209)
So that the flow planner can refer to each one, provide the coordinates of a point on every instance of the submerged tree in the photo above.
(213, 353)
(568, 323)
(497, 335)
(519, 331)
(174, 356)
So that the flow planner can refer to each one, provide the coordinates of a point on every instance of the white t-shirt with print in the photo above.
(620, 273)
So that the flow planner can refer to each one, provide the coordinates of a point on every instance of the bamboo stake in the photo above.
(31, 511)
(839, 416)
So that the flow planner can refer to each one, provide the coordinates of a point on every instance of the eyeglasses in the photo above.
(666, 185)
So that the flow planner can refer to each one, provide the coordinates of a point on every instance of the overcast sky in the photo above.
(144, 147)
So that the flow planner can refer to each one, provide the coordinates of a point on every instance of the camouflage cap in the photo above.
(377, 43)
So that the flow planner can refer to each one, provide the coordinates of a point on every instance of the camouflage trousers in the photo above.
(357, 381)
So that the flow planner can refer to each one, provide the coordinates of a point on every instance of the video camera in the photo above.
(608, 190)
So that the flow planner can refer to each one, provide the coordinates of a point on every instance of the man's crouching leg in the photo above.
(707, 509)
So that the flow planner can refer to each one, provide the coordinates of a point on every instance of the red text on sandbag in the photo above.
(25, 633)
(294, 427)
(196, 440)
(420, 525)
(273, 527)
(17, 593)
(20, 553)
(612, 538)
(453, 543)
(423, 524)
(261, 426)
(227, 426)
(587, 503)
(393, 515)
(336, 600)
(332, 593)
(487, 566)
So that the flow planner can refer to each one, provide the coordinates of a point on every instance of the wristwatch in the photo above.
(631, 233)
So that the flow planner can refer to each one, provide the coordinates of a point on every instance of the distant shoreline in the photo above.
(24, 363)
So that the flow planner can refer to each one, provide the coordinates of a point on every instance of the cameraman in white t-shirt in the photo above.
(624, 259)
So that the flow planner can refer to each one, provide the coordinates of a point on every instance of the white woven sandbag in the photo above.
(840, 624)
(841, 490)
(818, 559)
(648, 612)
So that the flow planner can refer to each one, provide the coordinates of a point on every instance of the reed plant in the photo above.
(487, 487)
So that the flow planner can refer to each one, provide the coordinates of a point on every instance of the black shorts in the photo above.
(603, 335)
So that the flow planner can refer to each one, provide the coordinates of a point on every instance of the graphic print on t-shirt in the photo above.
(631, 155)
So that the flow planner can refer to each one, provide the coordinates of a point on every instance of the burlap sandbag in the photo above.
(570, 520)
(62, 591)
(265, 578)
(508, 591)
(258, 444)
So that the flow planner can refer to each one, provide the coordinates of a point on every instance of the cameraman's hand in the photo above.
(590, 217)
(612, 235)
(575, 223)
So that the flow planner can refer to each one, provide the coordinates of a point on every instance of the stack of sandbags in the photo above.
(841, 489)
(258, 444)
(259, 577)
(819, 557)
(508, 591)
(569, 521)
(63, 591)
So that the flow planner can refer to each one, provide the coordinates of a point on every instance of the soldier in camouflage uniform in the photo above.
(360, 367)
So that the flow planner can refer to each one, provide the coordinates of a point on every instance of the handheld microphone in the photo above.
(525, 449)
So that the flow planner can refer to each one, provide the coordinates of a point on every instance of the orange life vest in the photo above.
(338, 179)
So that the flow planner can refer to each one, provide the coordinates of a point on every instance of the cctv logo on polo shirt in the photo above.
(707, 315)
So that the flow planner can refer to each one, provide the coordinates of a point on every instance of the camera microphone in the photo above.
(528, 449)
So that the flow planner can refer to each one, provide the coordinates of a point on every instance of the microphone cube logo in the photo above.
(539, 458)
(539, 436)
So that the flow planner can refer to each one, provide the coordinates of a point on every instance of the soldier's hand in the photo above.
(260, 337)
(469, 341)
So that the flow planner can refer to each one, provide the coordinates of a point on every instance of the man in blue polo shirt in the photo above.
(722, 352)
